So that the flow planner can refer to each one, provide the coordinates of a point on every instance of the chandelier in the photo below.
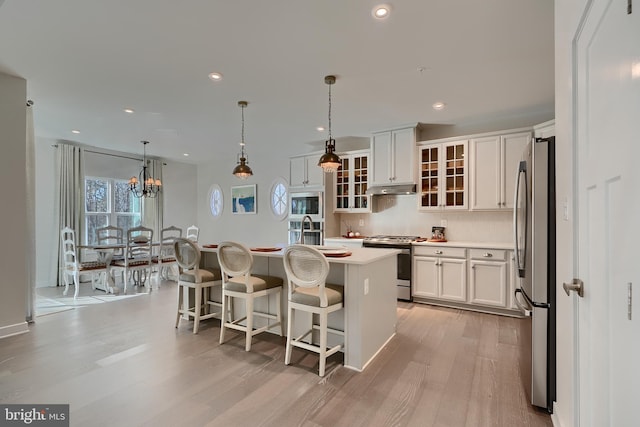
(242, 170)
(329, 162)
(144, 185)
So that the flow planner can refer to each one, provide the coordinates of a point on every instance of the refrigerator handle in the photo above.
(522, 171)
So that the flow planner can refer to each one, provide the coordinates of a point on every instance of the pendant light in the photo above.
(242, 170)
(329, 161)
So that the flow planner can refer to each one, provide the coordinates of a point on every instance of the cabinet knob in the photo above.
(438, 252)
(487, 255)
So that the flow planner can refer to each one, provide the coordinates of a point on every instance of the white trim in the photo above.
(372, 357)
(554, 416)
(11, 330)
(474, 136)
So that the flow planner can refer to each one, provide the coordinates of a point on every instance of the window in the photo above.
(216, 200)
(108, 201)
(279, 198)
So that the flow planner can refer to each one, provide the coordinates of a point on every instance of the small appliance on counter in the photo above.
(437, 234)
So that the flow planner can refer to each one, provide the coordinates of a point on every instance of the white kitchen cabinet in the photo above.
(493, 166)
(545, 130)
(440, 273)
(488, 277)
(351, 182)
(305, 172)
(443, 176)
(392, 157)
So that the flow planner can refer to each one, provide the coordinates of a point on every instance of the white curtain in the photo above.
(152, 208)
(30, 171)
(70, 194)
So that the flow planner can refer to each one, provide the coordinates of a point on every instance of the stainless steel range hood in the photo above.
(383, 190)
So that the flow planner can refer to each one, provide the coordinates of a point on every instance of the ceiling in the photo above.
(85, 61)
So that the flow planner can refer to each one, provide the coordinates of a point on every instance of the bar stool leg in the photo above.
(179, 305)
(249, 334)
(323, 341)
(197, 309)
(290, 319)
(224, 314)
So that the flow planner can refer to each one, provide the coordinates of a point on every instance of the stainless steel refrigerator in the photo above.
(535, 258)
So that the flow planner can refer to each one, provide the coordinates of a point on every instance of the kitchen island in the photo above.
(369, 314)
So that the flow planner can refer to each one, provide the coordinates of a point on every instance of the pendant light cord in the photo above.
(330, 113)
(242, 140)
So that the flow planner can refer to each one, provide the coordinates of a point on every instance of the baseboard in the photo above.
(10, 330)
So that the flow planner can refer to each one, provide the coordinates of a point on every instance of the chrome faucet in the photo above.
(305, 218)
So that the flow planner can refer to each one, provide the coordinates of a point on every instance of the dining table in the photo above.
(105, 254)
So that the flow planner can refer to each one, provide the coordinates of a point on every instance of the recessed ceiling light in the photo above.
(75, 131)
(381, 11)
(439, 106)
(129, 110)
(186, 154)
(320, 128)
(215, 76)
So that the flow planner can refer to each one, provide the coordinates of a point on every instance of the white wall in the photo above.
(13, 262)
(46, 224)
(259, 229)
(180, 187)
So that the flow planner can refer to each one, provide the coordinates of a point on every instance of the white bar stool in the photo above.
(307, 269)
(187, 255)
(236, 262)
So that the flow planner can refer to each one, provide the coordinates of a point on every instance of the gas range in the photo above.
(403, 278)
(382, 240)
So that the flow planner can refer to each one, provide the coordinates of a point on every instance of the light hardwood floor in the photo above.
(124, 364)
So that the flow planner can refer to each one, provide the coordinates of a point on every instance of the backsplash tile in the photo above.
(399, 215)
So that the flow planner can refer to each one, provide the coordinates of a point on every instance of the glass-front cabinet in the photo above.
(443, 175)
(351, 183)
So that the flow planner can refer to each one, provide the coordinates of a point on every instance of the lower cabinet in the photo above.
(488, 278)
(478, 279)
(440, 273)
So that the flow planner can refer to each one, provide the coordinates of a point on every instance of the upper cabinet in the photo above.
(351, 183)
(443, 175)
(305, 172)
(493, 166)
(392, 157)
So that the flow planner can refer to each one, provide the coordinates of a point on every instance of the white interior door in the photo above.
(607, 233)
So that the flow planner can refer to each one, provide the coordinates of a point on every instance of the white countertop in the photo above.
(359, 256)
(473, 245)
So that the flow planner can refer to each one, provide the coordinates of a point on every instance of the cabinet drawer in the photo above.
(440, 251)
(488, 254)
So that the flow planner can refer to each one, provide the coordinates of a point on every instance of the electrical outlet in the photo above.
(366, 286)
(361, 223)
(443, 223)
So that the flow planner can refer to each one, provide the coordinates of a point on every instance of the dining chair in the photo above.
(236, 262)
(201, 280)
(307, 269)
(137, 261)
(193, 232)
(72, 265)
(111, 235)
(165, 259)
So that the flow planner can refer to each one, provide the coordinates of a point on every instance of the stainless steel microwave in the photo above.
(307, 203)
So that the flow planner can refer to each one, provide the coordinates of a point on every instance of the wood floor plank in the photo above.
(124, 363)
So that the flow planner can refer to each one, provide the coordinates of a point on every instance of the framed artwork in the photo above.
(243, 199)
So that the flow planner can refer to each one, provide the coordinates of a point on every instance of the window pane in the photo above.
(93, 222)
(96, 195)
(127, 221)
(125, 201)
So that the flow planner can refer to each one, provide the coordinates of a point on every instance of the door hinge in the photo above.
(629, 299)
